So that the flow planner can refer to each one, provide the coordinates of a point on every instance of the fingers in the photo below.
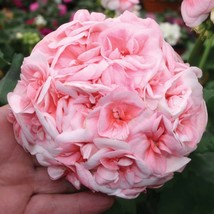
(43, 183)
(35, 161)
(4, 111)
(6, 129)
(10, 150)
(77, 203)
(4, 123)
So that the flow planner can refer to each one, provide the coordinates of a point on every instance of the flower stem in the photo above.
(200, 54)
(196, 51)
(208, 47)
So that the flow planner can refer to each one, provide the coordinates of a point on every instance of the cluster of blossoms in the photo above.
(108, 104)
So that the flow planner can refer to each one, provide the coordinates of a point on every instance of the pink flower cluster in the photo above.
(108, 104)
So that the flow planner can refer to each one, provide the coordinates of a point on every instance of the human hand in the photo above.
(25, 187)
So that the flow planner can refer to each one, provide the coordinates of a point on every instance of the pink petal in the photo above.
(125, 162)
(55, 172)
(78, 135)
(176, 163)
(106, 174)
(85, 177)
(102, 143)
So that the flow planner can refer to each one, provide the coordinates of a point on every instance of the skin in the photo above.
(25, 187)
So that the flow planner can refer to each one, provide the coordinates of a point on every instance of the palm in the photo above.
(26, 188)
(15, 174)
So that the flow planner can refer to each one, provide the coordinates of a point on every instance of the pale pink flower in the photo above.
(181, 91)
(108, 105)
(186, 127)
(194, 12)
(119, 5)
(118, 108)
(154, 141)
(118, 172)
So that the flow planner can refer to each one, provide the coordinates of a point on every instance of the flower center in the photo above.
(116, 114)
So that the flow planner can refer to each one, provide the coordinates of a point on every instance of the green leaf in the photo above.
(191, 192)
(208, 94)
(195, 55)
(207, 142)
(3, 61)
(8, 83)
(123, 206)
(202, 164)
(209, 98)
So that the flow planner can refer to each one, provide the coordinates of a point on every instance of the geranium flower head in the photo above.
(108, 105)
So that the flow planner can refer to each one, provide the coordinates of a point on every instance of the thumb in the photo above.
(77, 203)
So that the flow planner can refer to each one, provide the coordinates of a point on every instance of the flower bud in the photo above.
(212, 15)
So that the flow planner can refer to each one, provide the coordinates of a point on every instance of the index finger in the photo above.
(77, 203)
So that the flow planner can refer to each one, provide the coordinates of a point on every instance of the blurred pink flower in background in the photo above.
(194, 12)
(34, 6)
(62, 9)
